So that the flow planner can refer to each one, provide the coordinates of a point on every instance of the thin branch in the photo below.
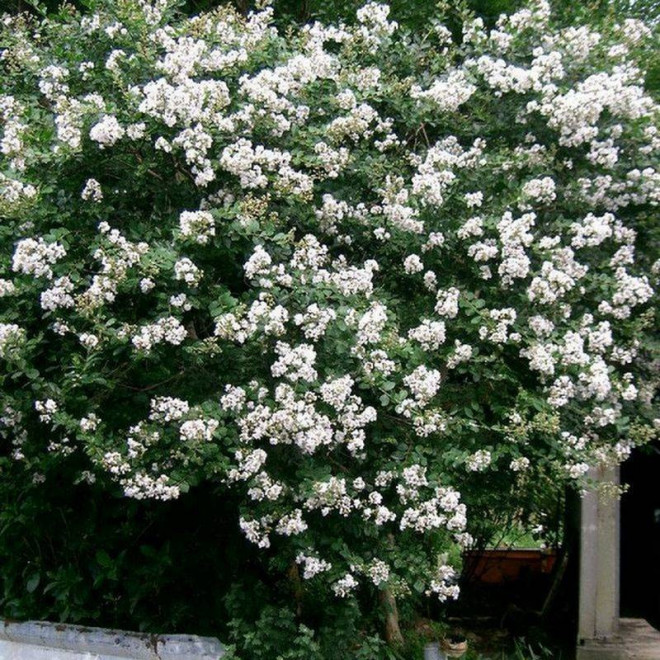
(155, 385)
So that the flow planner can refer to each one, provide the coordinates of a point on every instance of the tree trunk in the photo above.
(297, 588)
(393, 634)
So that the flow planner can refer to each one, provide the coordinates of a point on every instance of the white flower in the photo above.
(291, 524)
(344, 586)
(89, 423)
(34, 257)
(11, 336)
(447, 302)
(88, 340)
(258, 263)
(7, 288)
(46, 409)
(448, 94)
(92, 190)
(146, 284)
(478, 461)
(167, 409)
(378, 571)
(424, 384)
(198, 430)
(430, 334)
(576, 470)
(185, 269)
(542, 190)
(519, 464)
(413, 264)
(107, 131)
(180, 301)
(312, 565)
(295, 363)
(168, 330)
(199, 226)
(462, 353)
(57, 296)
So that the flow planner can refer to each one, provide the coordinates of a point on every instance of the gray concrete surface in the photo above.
(635, 640)
(39, 640)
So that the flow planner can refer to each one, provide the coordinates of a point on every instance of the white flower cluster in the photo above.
(198, 226)
(378, 572)
(447, 95)
(462, 353)
(435, 174)
(444, 509)
(371, 324)
(447, 302)
(14, 192)
(35, 257)
(315, 321)
(167, 409)
(331, 495)
(499, 334)
(441, 584)
(46, 409)
(251, 165)
(312, 565)
(374, 26)
(291, 524)
(142, 486)
(165, 330)
(7, 288)
(294, 363)
(592, 231)
(92, 191)
(365, 255)
(11, 336)
(515, 236)
(557, 277)
(58, 295)
(297, 421)
(107, 131)
(117, 256)
(344, 586)
(430, 334)
(185, 270)
(90, 423)
(478, 461)
(413, 264)
(540, 191)
(424, 384)
(198, 430)
(519, 464)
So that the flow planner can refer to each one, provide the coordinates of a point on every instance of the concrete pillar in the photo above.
(599, 565)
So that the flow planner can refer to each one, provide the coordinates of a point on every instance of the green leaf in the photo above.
(33, 583)
(103, 559)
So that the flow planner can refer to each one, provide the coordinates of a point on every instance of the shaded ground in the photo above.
(516, 620)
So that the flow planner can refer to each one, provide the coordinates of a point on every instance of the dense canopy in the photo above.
(369, 281)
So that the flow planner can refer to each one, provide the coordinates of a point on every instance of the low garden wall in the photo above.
(38, 640)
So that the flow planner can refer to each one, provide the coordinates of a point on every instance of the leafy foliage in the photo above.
(358, 294)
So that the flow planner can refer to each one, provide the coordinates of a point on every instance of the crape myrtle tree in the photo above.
(410, 14)
(357, 276)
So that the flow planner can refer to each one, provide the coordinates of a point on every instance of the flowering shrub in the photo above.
(354, 275)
